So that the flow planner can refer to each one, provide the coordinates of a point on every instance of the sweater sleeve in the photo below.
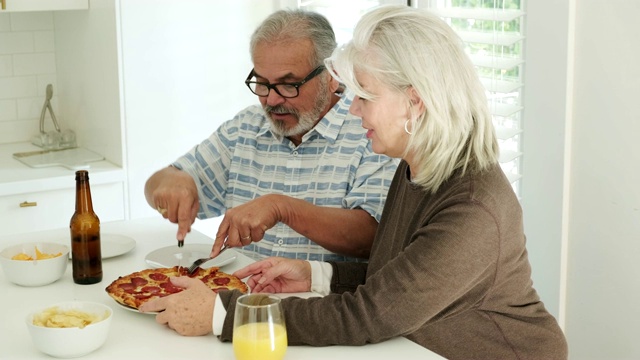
(347, 276)
(228, 299)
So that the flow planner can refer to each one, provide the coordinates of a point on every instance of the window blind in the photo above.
(493, 31)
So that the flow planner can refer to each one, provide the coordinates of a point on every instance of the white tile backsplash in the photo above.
(16, 42)
(32, 21)
(5, 24)
(18, 87)
(8, 110)
(27, 65)
(44, 41)
(6, 65)
(34, 64)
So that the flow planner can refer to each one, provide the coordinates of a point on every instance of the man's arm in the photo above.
(344, 231)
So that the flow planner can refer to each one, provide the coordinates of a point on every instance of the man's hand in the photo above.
(248, 222)
(174, 194)
(189, 312)
(277, 275)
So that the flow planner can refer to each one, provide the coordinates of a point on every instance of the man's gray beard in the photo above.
(306, 121)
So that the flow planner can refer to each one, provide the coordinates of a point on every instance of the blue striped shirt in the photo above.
(334, 166)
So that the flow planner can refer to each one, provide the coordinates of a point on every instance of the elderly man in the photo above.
(295, 177)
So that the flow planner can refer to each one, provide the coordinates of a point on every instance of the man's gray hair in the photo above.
(297, 24)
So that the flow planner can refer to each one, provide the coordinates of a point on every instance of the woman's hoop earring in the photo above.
(405, 127)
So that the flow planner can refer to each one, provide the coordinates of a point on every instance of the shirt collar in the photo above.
(328, 127)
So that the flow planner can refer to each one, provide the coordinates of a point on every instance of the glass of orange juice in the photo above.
(259, 330)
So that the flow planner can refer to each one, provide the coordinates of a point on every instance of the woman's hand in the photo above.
(189, 312)
(277, 275)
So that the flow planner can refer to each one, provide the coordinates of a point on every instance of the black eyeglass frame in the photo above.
(315, 72)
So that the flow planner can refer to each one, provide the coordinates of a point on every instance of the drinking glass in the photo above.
(259, 330)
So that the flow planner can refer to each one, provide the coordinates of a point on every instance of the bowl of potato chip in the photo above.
(70, 329)
(34, 263)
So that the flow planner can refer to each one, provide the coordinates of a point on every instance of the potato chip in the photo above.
(58, 318)
(39, 256)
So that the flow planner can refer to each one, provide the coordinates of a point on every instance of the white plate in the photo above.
(111, 245)
(171, 256)
(136, 310)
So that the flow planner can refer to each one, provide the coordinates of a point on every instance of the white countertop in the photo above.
(135, 335)
(18, 178)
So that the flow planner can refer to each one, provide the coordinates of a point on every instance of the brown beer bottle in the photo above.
(86, 256)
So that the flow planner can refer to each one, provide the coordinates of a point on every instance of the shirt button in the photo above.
(295, 153)
(280, 242)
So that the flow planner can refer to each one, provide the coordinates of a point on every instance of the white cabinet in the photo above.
(33, 199)
(53, 209)
(43, 5)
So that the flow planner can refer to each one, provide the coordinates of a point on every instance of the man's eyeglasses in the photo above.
(286, 90)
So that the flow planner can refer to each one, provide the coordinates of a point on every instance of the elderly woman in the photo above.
(448, 268)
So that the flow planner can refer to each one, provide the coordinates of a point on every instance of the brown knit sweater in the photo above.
(448, 271)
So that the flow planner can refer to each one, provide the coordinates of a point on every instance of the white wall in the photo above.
(27, 65)
(184, 65)
(580, 192)
(603, 287)
(545, 103)
(88, 75)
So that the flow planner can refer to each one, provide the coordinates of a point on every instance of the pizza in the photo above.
(135, 289)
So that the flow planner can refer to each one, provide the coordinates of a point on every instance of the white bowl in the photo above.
(74, 341)
(34, 272)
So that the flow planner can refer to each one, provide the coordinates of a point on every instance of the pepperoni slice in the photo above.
(138, 281)
(158, 277)
(207, 278)
(170, 288)
(151, 289)
(221, 281)
(126, 286)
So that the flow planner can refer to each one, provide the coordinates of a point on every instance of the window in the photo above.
(342, 14)
(493, 33)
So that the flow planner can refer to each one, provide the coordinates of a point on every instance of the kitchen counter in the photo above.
(136, 335)
(18, 178)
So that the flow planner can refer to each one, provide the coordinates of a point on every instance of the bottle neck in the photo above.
(83, 196)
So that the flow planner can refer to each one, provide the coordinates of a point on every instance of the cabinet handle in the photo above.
(28, 203)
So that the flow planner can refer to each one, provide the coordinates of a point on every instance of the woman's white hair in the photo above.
(403, 48)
